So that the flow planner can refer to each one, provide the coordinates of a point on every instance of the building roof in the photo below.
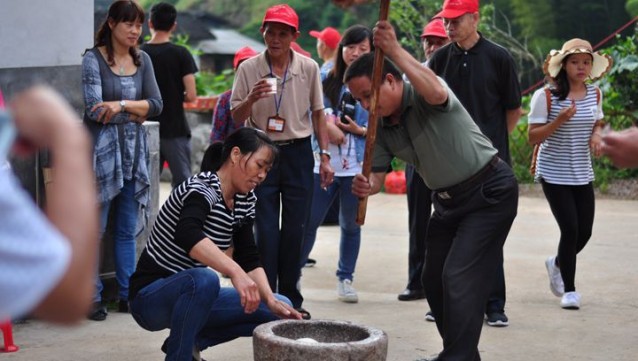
(228, 41)
(207, 32)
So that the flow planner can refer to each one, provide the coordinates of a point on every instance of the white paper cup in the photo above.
(273, 85)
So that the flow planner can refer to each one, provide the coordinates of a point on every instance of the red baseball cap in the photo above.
(329, 35)
(296, 47)
(242, 54)
(434, 28)
(283, 14)
(455, 8)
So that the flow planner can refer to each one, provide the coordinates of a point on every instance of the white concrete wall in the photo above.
(44, 33)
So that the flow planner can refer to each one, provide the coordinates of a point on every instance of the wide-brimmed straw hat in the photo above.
(554, 62)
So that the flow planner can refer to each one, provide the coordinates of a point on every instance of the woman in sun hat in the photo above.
(566, 118)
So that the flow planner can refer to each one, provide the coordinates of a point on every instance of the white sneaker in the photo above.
(570, 301)
(346, 292)
(555, 278)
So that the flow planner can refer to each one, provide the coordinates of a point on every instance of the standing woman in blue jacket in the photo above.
(347, 122)
(120, 92)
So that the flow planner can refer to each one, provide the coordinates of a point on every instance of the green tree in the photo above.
(409, 17)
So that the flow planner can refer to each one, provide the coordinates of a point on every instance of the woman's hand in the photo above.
(108, 110)
(137, 118)
(335, 134)
(248, 291)
(596, 144)
(283, 310)
(566, 114)
(351, 127)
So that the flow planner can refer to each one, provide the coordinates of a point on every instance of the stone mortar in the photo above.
(336, 341)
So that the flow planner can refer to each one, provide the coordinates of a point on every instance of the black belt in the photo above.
(290, 141)
(478, 178)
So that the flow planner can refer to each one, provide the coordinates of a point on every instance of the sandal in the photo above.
(304, 313)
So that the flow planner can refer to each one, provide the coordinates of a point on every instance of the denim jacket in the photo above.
(360, 117)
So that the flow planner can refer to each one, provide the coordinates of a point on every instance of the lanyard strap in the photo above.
(283, 84)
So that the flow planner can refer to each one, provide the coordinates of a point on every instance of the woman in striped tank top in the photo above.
(567, 120)
(175, 285)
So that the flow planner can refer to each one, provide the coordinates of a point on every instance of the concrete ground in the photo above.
(603, 329)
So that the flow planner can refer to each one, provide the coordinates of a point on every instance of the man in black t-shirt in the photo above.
(483, 77)
(175, 71)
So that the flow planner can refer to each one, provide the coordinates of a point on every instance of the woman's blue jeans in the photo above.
(197, 310)
(350, 230)
(124, 224)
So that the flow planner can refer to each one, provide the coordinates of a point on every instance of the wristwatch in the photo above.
(325, 151)
(122, 105)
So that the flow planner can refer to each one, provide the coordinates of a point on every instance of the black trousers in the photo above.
(286, 191)
(573, 208)
(465, 241)
(419, 210)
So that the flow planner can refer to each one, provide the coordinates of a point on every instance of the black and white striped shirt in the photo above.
(565, 157)
(196, 210)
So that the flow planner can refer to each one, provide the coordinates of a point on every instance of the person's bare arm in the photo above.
(206, 252)
(279, 308)
(335, 134)
(326, 173)
(44, 119)
(537, 133)
(190, 91)
(511, 117)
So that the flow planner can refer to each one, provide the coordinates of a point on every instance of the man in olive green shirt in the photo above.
(475, 194)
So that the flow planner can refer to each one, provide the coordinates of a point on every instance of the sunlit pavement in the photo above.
(603, 329)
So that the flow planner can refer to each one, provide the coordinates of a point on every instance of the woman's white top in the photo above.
(565, 156)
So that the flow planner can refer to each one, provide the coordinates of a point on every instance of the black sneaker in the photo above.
(98, 312)
(310, 263)
(497, 319)
(429, 316)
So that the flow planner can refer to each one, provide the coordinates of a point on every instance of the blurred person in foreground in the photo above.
(48, 260)
(622, 147)
(475, 194)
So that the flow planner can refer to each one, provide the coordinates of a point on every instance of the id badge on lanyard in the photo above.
(276, 124)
